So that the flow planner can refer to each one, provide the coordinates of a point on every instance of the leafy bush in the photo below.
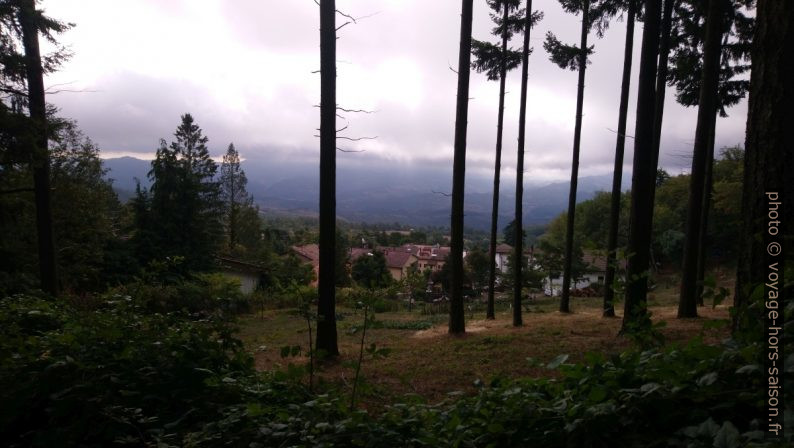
(113, 375)
(119, 375)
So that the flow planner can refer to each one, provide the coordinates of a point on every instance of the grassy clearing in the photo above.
(426, 361)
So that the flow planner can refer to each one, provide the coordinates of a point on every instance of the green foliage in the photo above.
(696, 395)
(119, 375)
(181, 216)
(478, 264)
(114, 375)
(562, 55)
(86, 219)
(370, 271)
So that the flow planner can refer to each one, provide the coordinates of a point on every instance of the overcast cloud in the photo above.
(244, 68)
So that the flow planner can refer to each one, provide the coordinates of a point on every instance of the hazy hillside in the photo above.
(411, 196)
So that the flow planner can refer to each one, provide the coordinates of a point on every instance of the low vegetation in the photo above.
(110, 370)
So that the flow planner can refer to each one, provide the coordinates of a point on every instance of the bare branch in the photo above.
(356, 139)
(350, 150)
(441, 193)
(356, 111)
(616, 132)
(450, 67)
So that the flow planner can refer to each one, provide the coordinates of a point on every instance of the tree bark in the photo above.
(519, 212)
(48, 270)
(617, 177)
(490, 313)
(456, 313)
(768, 159)
(577, 136)
(326, 305)
(643, 179)
(707, 109)
(704, 216)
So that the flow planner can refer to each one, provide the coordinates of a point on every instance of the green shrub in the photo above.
(113, 375)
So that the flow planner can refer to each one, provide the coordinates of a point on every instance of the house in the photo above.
(248, 274)
(503, 252)
(428, 257)
(398, 261)
(594, 273)
(309, 253)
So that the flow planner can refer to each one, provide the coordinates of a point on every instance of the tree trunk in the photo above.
(617, 177)
(519, 226)
(704, 216)
(707, 108)
(490, 314)
(577, 136)
(456, 314)
(326, 305)
(643, 179)
(40, 152)
(768, 158)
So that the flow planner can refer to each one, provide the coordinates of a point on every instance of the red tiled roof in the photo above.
(311, 252)
(397, 259)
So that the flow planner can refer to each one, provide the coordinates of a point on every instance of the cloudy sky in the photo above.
(244, 69)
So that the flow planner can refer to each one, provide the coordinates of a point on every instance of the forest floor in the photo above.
(426, 361)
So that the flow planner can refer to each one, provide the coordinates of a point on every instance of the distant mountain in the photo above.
(381, 194)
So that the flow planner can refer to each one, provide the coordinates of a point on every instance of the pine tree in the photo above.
(496, 61)
(184, 202)
(768, 162)
(29, 23)
(326, 304)
(233, 195)
(594, 14)
(643, 180)
(519, 212)
(617, 176)
(457, 323)
(730, 46)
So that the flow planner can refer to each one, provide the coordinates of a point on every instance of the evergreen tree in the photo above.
(496, 61)
(326, 304)
(595, 14)
(234, 196)
(183, 206)
(768, 162)
(30, 24)
(729, 41)
(457, 323)
(617, 175)
(519, 211)
(643, 180)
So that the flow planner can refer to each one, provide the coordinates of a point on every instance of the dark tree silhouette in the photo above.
(456, 312)
(707, 110)
(519, 211)
(183, 211)
(234, 195)
(686, 71)
(39, 152)
(575, 58)
(768, 157)
(326, 304)
(617, 176)
(496, 61)
(643, 179)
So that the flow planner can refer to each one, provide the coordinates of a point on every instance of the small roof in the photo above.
(504, 248)
(311, 252)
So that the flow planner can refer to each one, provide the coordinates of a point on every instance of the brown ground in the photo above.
(431, 363)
